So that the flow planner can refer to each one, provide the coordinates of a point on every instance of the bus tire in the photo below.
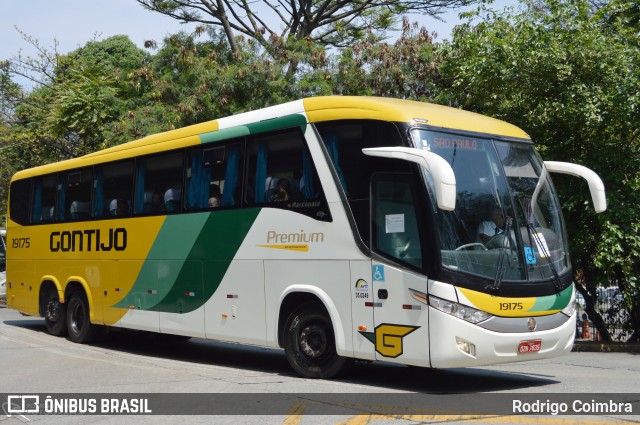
(79, 326)
(55, 314)
(309, 343)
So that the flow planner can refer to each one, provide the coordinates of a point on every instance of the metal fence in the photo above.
(610, 305)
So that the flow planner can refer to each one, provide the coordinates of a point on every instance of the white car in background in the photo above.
(3, 267)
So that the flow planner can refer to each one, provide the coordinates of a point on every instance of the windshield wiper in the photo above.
(544, 254)
(498, 280)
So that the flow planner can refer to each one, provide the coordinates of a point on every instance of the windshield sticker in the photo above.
(394, 223)
(530, 255)
(541, 243)
(378, 273)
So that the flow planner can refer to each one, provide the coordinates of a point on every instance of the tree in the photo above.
(569, 75)
(406, 68)
(337, 23)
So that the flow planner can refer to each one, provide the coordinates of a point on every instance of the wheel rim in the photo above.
(77, 318)
(314, 341)
(52, 311)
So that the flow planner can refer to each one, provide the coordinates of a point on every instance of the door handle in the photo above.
(383, 294)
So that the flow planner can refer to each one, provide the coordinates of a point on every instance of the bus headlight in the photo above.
(460, 311)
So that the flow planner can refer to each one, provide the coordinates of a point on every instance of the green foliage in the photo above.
(408, 68)
(81, 106)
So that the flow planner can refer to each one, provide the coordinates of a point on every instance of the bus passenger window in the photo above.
(281, 169)
(281, 174)
(158, 188)
(43, 199)
(113, 182)
(20, 193)
(74, 193)
(212, 177)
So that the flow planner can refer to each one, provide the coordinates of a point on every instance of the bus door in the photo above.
(399, 291)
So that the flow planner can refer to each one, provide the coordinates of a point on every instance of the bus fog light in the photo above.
(466, 346)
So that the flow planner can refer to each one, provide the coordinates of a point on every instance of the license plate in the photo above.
(532, 346)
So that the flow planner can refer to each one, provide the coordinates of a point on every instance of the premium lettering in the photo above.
(301, 237)
(88, 240)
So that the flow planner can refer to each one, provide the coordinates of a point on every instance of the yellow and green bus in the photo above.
(334, 227)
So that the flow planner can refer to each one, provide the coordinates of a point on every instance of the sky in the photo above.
(73, 23)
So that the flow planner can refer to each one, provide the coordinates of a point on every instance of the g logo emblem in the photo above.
(389, 339)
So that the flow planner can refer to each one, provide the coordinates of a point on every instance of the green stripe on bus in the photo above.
(162, 265)
(287, 121)
(553, 302)
(206, 264)
(224, 134)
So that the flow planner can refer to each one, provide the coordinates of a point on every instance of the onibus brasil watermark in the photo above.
(22, 405)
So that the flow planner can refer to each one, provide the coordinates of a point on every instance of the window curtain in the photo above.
(62, 190)
(98, 194)
(231, 177)
(331, 141)
(36, 215)
(261, 174)
(139, 195)
(308, 191)
(198, 189)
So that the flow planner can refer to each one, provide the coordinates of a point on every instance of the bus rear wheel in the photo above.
(79, 326)
(55, 314)
(309, 343)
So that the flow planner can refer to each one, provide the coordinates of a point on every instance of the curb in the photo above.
(605, 347)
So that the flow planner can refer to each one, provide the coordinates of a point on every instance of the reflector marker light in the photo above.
(189, 294)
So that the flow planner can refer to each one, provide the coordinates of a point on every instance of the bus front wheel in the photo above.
(55, 314)
(310, 343)
(79, 326)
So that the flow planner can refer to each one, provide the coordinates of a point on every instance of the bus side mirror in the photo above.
(596, 187)
(443, 177)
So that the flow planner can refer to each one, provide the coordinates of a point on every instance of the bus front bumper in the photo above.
(457, 343)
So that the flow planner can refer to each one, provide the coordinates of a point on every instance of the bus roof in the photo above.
(317, 109)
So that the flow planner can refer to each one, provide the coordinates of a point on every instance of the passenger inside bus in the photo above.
(118, 208)
(215, 196)
(172, 200)
(280, 192)
(79, 210)
(494, 226)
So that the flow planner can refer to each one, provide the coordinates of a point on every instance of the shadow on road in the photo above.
(267, 360)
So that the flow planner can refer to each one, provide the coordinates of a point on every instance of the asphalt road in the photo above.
(228, 375)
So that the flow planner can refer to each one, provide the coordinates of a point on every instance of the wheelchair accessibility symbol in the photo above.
(378, 273)
(530, 255)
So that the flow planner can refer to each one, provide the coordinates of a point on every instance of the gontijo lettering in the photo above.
(88, 240)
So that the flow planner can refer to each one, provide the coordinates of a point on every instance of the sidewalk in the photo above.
(605, 347)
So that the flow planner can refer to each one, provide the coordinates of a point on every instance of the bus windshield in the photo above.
(507, 223)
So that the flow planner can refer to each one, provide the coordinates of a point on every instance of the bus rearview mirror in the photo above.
(596, 187)
(443, 177)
